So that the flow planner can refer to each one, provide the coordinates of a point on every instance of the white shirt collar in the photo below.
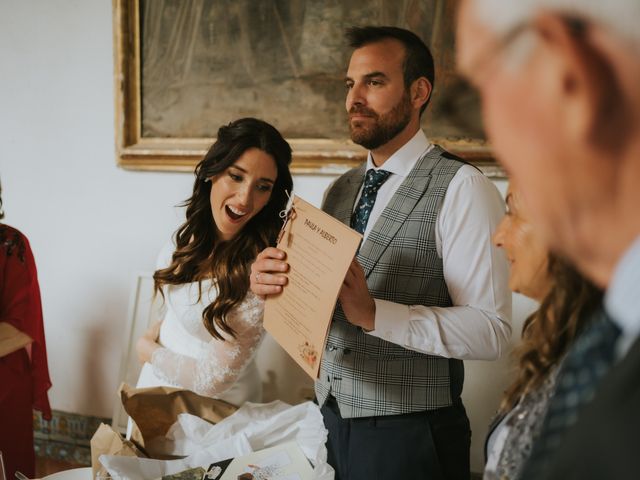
(621, 300)
(405, 158)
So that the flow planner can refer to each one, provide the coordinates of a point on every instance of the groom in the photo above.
(427, 288)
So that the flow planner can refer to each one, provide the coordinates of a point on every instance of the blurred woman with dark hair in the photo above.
(24, 374)
(213, 325)
(567, 300)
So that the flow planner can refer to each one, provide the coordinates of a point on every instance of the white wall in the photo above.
(93, 226)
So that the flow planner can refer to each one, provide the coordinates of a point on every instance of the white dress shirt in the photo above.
(478, 325)
(622, 300)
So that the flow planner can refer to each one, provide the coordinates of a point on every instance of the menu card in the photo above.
(319, 251)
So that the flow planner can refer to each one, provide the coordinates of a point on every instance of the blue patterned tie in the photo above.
(584, 366)
(373, 180)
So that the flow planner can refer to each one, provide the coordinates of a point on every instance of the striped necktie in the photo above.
(586, 363)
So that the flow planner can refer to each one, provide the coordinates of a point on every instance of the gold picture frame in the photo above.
(137, 150)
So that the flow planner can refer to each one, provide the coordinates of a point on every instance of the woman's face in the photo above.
(527, 253)
(241, 191)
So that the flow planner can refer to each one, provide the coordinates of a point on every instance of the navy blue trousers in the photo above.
(431, 445)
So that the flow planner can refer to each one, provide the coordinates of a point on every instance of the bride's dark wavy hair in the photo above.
(200, 253)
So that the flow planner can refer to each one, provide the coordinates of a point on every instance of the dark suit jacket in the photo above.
(605, 442)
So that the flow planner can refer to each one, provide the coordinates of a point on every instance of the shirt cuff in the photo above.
(392, 322)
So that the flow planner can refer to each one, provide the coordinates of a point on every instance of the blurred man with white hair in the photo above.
(560, 87)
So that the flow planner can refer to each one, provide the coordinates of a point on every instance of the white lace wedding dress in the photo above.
(192, 359)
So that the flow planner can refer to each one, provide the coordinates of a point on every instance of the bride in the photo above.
(213, 325)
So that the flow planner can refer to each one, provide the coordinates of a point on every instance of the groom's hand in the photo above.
(357, 303)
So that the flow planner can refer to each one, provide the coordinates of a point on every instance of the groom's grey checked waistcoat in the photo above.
(369, 376)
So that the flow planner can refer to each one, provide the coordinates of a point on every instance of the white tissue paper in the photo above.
(253, 427)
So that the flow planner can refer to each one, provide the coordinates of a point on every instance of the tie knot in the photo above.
(374, 180)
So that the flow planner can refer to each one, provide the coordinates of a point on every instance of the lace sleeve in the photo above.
(218, 365)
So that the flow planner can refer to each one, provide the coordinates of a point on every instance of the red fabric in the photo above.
(16, 414)
(24, 374)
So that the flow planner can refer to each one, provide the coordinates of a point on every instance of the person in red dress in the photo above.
(24, 375)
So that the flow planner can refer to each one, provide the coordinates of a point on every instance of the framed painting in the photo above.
(185, 67)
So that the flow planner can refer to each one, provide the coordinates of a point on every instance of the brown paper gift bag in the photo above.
(155, 409)
(106, 441)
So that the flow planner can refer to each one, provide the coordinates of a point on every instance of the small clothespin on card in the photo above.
(288, 214)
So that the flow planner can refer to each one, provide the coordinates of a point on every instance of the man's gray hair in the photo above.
(621, 17)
